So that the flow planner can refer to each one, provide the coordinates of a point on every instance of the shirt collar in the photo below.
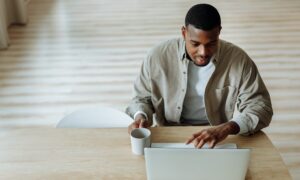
(184, 55)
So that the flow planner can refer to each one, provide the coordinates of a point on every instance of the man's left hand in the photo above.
(213, 135)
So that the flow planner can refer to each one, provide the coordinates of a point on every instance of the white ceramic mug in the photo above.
(140, 138)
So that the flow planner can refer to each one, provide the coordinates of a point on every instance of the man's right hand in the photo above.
(139, 122)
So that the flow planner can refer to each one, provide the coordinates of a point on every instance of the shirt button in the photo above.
(178, 107)
(184, 72)
(182, 90)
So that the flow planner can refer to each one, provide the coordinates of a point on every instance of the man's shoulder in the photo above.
(229, 49)
(165, 46)
(235, 55)
(228, 46)
(165, 54)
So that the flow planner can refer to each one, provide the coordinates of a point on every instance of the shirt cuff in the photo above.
(243, 126)
(140, 112)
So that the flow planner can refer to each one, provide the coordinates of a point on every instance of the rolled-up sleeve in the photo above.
(253, 103)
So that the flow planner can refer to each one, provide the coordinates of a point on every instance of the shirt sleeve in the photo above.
(254, 103)
(140, 112)
(142, 92)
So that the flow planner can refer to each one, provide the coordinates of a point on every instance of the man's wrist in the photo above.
(232, 127)
(140, 116)
(136, 115)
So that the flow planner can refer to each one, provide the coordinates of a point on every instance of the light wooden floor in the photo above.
(76, 54)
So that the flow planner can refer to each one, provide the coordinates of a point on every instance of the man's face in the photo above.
(201, 45)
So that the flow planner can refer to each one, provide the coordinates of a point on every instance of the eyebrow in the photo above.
(213, 41)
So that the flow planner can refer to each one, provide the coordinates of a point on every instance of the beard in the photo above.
(205, 61)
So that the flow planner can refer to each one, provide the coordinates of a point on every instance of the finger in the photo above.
(212, 143)
(142, 122)
(136, 124)
(203, 138)
(132, 126)
(196, 141)
(200, 144)
(191, 139)
(129, 129)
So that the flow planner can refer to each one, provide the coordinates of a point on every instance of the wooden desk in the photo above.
(48, 153)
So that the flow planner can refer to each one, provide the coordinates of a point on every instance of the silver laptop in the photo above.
(196, 164)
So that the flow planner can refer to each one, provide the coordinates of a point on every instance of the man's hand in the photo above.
(139, 122)
(214, 135)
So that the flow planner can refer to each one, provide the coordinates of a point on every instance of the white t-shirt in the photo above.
(193, 111)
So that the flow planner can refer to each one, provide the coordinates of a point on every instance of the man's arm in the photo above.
(254, 105)
(141, 101)
(254, 102)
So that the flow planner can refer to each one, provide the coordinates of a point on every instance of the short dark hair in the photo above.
(203, 16)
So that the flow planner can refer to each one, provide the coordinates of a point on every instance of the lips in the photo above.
(202, 60)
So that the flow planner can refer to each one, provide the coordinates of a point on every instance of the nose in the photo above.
(202, 51)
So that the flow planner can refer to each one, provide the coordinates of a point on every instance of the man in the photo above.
(199, 79)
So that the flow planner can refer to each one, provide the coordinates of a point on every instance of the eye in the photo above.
(195, 44)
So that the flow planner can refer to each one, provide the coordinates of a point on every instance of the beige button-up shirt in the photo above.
(160, 88)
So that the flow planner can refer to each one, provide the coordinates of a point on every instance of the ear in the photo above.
(183, 32)
(220, 28)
